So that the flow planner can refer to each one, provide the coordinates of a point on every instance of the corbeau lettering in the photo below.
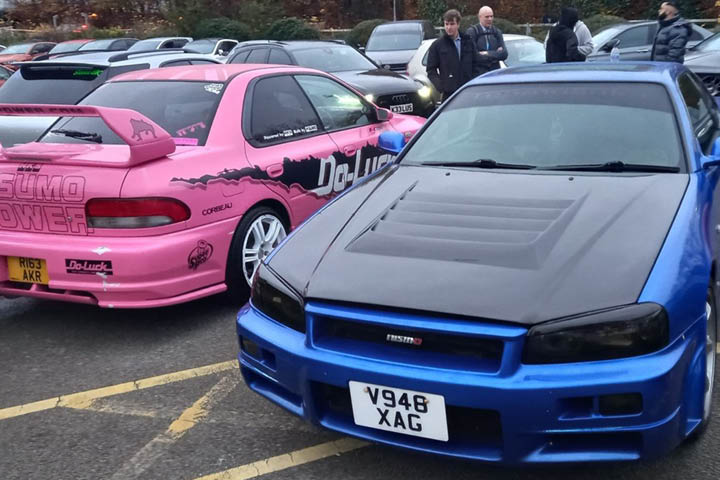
(216, 209)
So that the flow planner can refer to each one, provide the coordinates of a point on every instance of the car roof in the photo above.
(163, 38)
(626, 71)
(105, 59)
(219, 73)
(292, 44)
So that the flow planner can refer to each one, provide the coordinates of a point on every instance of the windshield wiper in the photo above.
(614, 167)
(89, 136)
(481, 163)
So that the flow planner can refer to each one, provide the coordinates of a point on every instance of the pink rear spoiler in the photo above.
(147, 140)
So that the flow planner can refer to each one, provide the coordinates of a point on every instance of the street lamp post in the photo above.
(394, 12)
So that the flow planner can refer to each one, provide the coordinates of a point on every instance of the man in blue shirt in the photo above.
(452, 58)
(488, 40)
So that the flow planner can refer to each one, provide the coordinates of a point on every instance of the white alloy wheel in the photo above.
(264, 234)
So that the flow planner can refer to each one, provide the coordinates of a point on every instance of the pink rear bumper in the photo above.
(142, 271)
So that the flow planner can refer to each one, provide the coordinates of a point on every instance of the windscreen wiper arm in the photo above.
(89, 136)
(614, 167)
(482, 163)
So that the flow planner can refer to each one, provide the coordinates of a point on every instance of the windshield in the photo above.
(98, 44)
(19, 48)
(333, 59)
(395, 37)
(710, 43)
(200, 46)
(52, 84)
(525, 52)
(143, 45)
(604, 36)
(184, 109)
(554, 124)
(66, 47)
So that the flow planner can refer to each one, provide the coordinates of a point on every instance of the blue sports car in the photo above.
(532, 280)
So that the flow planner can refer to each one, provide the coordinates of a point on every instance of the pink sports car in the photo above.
(163, 186)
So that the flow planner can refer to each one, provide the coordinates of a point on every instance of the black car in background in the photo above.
(381, 86)
(635, 40)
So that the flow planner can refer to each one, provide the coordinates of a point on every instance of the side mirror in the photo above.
(383, 114)
(391, 142)
(610, 45)
(713, 159)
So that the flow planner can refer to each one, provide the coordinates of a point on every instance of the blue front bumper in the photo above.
(498, 409)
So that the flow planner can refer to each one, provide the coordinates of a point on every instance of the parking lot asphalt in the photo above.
(87, 393)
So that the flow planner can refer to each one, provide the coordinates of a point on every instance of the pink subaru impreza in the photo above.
(163, 186)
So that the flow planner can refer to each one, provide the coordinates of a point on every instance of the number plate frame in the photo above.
(28, 270)
(403, 108)
(371, 405)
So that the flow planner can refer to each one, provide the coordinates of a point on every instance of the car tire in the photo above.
(710, 346)
(257, 222)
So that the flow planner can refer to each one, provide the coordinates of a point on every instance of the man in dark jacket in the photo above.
(452, 58)
(562, 44)
(672, 35)
(489, 41)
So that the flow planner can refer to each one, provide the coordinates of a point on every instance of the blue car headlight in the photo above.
(614, 333)
(271, 296)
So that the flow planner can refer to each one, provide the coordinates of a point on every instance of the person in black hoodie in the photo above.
(562, 45)
(452, 58)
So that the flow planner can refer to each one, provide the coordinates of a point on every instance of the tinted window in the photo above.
(337, 106)
(176, 63)
(699, 107)
(184, 109)
(143, 45)
(241, 57)
(42, 48)
(259, 55)
(340, 58)
(395, 37)
(539, 124)
(696, 35)
(279, 57)
(633, 37)
(200, 46)
(280, 111)
(226, 47)
(51, 84)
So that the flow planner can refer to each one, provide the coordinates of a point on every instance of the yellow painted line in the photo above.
(85, 399)
(288, 460)
(158, 446)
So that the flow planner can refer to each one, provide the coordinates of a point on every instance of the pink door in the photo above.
(287, 143)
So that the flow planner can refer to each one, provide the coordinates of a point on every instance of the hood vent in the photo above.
(507, 232)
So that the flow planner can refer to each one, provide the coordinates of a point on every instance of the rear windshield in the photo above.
(395, 37)
(333, 59)
(200, 46)
(19, 48)
(555, 124)
(66, 47)
(184, 109)
(98, 44)
(51, 84)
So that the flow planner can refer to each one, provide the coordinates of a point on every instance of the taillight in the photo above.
(134, 212)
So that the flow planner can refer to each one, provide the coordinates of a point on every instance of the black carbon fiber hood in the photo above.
(515, 247)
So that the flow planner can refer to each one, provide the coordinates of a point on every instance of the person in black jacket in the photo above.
(452, 58)
(562, 45)
(489, 40)
(672, 35)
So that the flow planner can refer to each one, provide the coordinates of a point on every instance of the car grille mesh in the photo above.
(712, 82)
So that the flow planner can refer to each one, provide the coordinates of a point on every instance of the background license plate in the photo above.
(404, 108)
(28, 270)
(397, 410)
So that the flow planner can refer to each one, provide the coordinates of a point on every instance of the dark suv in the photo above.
(66, 80)
(392, 45)
(381, 86)
(635, 40)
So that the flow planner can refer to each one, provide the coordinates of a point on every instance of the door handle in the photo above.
(350, 150)
(642, 51)
(275, 170)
